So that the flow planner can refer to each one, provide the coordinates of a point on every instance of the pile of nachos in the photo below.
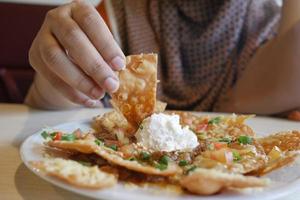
(227, 154)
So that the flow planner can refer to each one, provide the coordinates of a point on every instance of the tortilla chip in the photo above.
(110, 125)
(83, 146)
(136, 97)
(114, 157)
(286, 141)
(249, 161)
(285, 160)
(210, 181)
(160, 106)
(231, 126)
(76, 173)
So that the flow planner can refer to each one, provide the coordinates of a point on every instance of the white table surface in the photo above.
(18, 122)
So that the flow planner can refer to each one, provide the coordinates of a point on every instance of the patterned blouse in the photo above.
(203, 45)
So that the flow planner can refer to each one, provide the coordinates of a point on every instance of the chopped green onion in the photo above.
(45, 135)
(132, 159)
(227, 140)
(215, 120)
(244, 139)
(211, 147)
(202, 135)
(68, 137)
(183, 163)
(161, 166)
(145, 155)
(88, 164)
(141, 127)
(164, 160)
(114, 147)
(98, 142)
(191, 169)
(236, 156)
(52, 135)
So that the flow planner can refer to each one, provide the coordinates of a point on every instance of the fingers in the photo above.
(58, 62)
(95, 28)
(80, 48)
(73, 95)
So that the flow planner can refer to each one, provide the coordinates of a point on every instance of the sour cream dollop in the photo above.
(162, 132)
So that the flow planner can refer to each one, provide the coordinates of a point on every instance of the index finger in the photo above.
(95, 28)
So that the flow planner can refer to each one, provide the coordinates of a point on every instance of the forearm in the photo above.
(290, 15)
(270, 83)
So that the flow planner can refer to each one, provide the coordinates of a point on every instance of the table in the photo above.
(18, 122)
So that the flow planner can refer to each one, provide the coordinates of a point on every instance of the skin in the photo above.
(75, 52)
(268, 85)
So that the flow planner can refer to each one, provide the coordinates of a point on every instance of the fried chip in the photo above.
(160, 106)
(83, 146)
(286, 141)
(110, 125)
(231, 126)
(136, 97)
(114, 157)
(251, 158)
(76, 173)
(287, 159)
(210, 181)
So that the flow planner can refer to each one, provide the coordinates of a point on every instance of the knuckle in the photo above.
(81, 83)
(51, 14)
(89, 19)
(70, 33)
(94, 67)
(51, 55)
(76, 98)
(106, 45)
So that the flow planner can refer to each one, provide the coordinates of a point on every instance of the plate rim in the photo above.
(272, 194)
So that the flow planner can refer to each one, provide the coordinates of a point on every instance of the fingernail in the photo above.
(93, 103)
(118, 63)
(97, 93)
(103, 95)
(111, 84)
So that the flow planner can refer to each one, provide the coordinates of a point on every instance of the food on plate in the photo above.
(136, 96)
(206, 182)
(113, 155)
(286, 141)
(163, 132)
(76, 173)
(139, 140)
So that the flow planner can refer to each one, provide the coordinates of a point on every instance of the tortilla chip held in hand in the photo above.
(136, 97)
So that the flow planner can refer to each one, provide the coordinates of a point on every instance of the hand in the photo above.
(75, 51)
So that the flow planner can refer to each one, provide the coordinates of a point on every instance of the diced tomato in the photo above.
(201, 127)
(223, 155)
(78, 133)
(220, 145)
(57, 136)
(205, 121)
(188, 121)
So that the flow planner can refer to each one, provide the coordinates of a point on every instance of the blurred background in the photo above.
(20, 20)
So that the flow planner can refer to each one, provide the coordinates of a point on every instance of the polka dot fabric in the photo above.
(204, 45)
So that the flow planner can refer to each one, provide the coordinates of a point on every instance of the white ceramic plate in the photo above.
(284, 181)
